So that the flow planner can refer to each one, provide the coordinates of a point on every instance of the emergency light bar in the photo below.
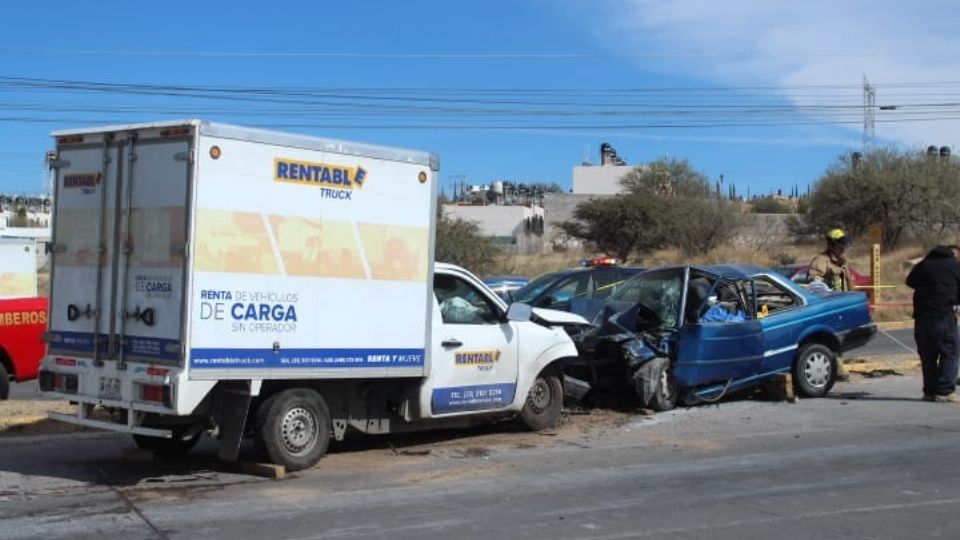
(599, 261)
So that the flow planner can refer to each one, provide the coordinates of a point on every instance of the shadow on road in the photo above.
(866, 396)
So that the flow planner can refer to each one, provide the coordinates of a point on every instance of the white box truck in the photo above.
(243, 282)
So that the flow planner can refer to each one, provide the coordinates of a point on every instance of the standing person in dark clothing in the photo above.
(936, 290)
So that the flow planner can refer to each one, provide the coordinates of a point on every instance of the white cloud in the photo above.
(795, 45)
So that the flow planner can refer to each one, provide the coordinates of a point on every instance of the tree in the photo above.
(769, 205)
(667, 202)
(698, 225)
(667, 176)
(460, 242)
(688, 213)
(619, 226)
(901, 192)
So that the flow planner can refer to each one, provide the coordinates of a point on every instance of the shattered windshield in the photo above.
(531, 291)
(659, 290)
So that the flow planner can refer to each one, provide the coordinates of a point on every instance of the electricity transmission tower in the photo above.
(869, 113)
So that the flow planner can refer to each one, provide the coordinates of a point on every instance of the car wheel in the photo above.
(294, 428)
(544, 402)
(4, 383)
(664, 398)
(815, 370)
(173, 447)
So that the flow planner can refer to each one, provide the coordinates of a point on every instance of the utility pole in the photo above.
(869, 113)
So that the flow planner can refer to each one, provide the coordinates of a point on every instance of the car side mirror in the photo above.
(519, 312)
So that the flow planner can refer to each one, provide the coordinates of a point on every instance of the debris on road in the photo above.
(872, 374)
(267, 470)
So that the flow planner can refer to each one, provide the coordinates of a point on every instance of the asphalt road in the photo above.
(872, 461)
(888, 342)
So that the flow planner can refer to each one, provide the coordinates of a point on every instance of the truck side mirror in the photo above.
(519, 312)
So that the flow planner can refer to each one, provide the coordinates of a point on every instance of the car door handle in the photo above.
(450, 343)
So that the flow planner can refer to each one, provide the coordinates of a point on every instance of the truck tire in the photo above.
(4, 382)
(815, 370)
(293, 428)
(167, 448)
(544, 402)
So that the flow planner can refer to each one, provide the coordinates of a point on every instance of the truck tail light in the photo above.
(70, 139)
(175, 132)
(156, 392)
(65, 383)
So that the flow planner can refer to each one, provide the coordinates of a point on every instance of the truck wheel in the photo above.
(168, 448)
(664, 398)
(544, 402)
(4, 382)
(293, 428)
(815, 370)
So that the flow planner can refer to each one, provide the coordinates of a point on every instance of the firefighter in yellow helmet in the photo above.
(830, 268)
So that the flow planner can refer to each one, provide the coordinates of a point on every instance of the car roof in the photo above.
(504, 278)
(571, 271)
(726, 271)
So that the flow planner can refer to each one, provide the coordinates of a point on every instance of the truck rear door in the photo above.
(120, 243)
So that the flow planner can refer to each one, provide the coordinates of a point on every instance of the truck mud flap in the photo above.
(235, 403)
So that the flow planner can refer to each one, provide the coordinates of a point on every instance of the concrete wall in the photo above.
(756, 231)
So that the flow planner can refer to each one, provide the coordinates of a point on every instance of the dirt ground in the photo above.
(29, 417)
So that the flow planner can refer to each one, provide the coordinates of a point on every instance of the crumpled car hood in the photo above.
(554, 316)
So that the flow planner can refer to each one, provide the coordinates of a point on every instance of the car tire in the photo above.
(173, 447)
(293, 428)
(815, 370)
(4, 383)
(544, 402)
(665, 396)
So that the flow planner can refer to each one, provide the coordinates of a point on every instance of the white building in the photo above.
(599, 179)
(603, 179)
(516, 227)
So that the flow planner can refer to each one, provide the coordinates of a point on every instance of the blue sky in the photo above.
(766, 93)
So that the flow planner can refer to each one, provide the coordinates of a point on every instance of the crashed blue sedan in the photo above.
(692, 334)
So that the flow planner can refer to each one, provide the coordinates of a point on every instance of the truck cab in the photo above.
(23, 314)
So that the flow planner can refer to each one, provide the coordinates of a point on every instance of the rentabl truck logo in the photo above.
(335, 181)
(87, 182)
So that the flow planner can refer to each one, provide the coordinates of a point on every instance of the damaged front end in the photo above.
(624, 354)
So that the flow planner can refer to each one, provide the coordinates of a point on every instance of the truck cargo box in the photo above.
(222, 252)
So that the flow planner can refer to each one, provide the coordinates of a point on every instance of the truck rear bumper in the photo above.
(83, 417)
(110, 426)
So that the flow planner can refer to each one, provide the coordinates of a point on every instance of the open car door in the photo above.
(720, 339)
